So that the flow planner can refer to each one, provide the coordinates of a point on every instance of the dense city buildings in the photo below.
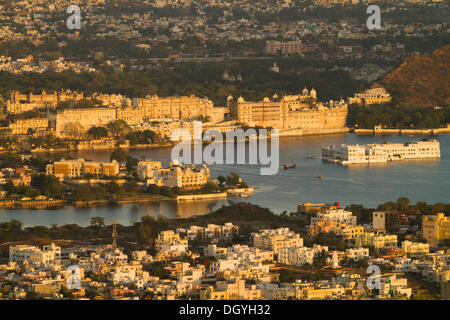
(96, 205)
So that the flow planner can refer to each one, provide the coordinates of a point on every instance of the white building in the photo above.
(414, 248)
(50, 254)
(391, 286)
(380, 153)
(300, 255)
(357, 254)
(341, 216)
(275, 239)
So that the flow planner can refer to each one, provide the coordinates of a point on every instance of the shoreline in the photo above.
(387, 131)
(286, 134)
(63, 205)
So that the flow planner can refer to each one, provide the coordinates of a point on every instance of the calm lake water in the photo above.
(360, 184)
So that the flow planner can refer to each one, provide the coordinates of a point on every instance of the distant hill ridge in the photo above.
(422, 80)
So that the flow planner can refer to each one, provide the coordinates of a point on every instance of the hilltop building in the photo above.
(370, 96)
(290, 112)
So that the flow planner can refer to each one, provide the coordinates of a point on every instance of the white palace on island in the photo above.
(381, 153)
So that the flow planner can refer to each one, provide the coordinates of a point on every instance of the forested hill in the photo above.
(422, 80)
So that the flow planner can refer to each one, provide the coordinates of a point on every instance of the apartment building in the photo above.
(393, 286)
(376, 241)
(211, 231)
(435, 228)
(340, 216)
(230, 291)
(414, 248)
(300, 255)
(275, 239)
(33, 255)
(25, 126)
(357, 254)
(168, 238)
(345, 232)
(285, 47)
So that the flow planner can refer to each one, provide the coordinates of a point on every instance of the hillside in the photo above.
(422, 80)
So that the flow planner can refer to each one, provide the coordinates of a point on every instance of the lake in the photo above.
(370, 185)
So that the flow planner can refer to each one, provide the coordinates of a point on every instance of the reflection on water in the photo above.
(364, 184)
(127, 214)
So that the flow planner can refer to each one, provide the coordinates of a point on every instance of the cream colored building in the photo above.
(435, 228)
(348, 232)
(340, 215)
(168, 238)
(23, 126)
(290, 112)
(230, 291)
(413, 248)
(289, 47)
(20, 102)
(376, 241)
(275, 239)
(371, 96)
(182, 108)
(80, 167)
(176, 175)
(379, 220)
(86, 118)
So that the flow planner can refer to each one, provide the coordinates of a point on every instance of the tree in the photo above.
(233, 179)
(120, 155)
(47, 185)
(73, 130)
(221, 179)
(98, 222)
(118, 128)
(403, 203)
(145, 233)
(153, 189)
(341, 246)
(131, 187)
(15, 225)
(98, 132)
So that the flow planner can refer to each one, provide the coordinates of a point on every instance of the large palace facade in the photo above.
(180, 108)
(300, 111)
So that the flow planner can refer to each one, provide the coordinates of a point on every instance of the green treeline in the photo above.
(203, 80)
(400, 116)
